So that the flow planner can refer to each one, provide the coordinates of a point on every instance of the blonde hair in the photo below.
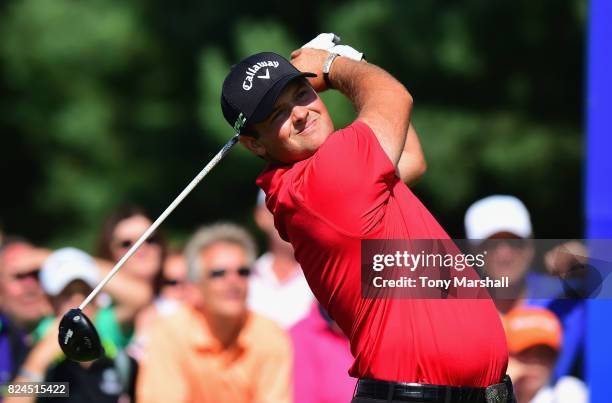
(212, 234)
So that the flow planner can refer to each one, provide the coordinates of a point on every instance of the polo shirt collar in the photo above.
(204, 340)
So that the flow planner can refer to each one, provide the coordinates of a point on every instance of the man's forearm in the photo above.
(379, 99)
(360, 81)
(129, 293)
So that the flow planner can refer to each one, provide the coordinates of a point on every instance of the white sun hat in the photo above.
(495, 214)
(65, 266)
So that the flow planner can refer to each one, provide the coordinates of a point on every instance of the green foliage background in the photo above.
(107, 102)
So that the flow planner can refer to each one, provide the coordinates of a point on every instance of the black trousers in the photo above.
(372, 391)
(372, 400)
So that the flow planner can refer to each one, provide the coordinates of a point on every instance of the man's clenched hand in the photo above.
(311, 60)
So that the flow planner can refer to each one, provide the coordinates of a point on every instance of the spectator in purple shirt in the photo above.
(22, 303)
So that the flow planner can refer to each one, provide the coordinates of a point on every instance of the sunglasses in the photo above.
(28, 274)
(219, 273)
(127, 243)
(171, 282)
(514, 243)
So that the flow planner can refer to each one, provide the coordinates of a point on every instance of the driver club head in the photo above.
(78, 337)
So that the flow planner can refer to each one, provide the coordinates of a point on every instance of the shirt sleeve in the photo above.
(160, 378)
(274, 380)
(349, 179)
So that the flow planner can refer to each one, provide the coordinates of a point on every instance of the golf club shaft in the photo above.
(161, 218)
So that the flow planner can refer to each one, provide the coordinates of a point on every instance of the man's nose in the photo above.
(299, 114)
(505, 250)
(31, 283)
(234, 277)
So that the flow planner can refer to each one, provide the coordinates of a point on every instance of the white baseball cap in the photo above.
(65, 266)
(495, 214)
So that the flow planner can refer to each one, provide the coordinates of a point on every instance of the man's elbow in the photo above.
(406, 102)
(412, 167)
(409, 99)
(404, 98)
(412, 175)
(420, 169)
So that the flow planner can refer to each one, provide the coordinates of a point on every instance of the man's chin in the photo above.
(232, 312)
(308, 147)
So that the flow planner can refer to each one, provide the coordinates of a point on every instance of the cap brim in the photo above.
(266, 105)
(55, 287)
(522, 344)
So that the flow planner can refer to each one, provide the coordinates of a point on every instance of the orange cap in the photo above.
(530, 326)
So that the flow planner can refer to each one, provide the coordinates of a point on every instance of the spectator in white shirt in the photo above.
(277, 287)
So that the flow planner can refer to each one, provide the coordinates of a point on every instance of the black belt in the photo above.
(417, 392)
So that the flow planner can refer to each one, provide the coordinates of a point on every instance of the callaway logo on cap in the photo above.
(252, 87)
(247, 84)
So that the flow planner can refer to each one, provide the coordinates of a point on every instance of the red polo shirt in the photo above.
(348, 191)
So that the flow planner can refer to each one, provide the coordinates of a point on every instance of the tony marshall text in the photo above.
(423, 281)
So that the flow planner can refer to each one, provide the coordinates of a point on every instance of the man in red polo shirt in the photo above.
(328, 190)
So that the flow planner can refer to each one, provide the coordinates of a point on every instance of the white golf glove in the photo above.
(329, 41)
(323, 41)
(347, 51)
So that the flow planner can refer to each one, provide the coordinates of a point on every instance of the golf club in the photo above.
(78, 337)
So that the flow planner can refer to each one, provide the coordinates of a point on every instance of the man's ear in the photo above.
(253, 145)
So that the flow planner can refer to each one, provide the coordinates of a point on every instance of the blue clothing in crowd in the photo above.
(547, 292)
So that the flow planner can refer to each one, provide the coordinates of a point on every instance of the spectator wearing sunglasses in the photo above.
(119, 232)
(218, 351)
(23, 304)
(175, 288)
(501, 225)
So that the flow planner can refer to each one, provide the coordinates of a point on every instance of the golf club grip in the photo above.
(226, 148)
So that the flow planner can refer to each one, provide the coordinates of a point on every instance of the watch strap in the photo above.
(326, 66)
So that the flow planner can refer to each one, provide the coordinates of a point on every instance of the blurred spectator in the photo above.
(322, 358)
(534, 338)
(561, 259)
(22, 304)
(119, 232)
(503, 225)
(174, 279)
(220, 351)
(277, 288)
(175, 286)
(23, 300)
(68, 276)
(174, 291)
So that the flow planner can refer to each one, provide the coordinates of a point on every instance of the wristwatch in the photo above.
(326, 66)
